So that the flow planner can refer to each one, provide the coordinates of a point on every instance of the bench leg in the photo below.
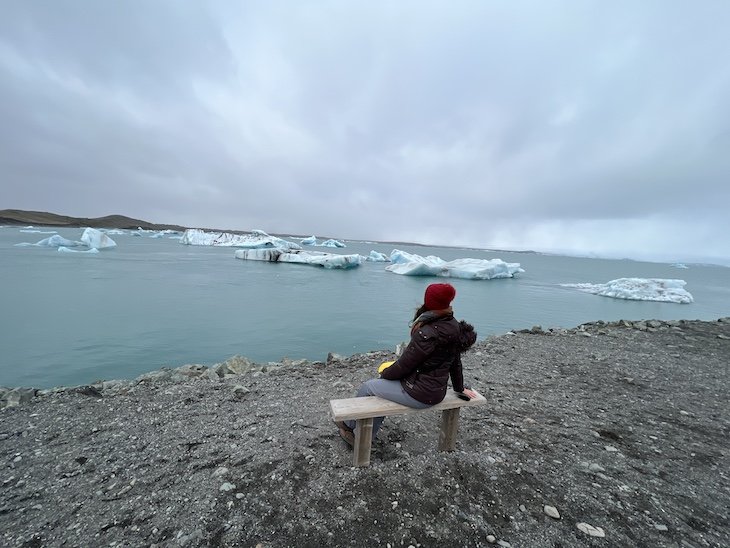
(449, 429)
(363, 439)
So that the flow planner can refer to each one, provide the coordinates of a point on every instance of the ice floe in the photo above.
(640, 289)
(52, 241)
(32, 230)
(377, 257)
(256, 239)
(312, 240)
(409, 264)
(63, 249)
(97, 239)
(332, 243)
(679, 265)
(327, 260)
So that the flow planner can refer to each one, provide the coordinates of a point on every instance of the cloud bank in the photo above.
(591, 128)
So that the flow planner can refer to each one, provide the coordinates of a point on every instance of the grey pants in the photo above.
(388, 390)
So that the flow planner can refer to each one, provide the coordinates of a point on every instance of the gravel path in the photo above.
(617, 430)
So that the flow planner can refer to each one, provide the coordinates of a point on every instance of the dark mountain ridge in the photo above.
(43, 218)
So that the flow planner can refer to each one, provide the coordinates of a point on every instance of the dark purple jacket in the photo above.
(425, 365)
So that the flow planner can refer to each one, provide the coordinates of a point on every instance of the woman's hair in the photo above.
(467, 336)
(420, 310)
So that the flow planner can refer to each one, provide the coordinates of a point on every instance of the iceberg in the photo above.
(332, 243)
(114, 231)
(256, 239)
(97, 239)
(679, 265)
(63, 249)
(53, 241)
(274, 255)
(640, 289)
(377, 257)
(309, 241)
(31, 230)
(409, 264)
(58, 241)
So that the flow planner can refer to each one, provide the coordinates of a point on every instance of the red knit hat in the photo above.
(439, 296)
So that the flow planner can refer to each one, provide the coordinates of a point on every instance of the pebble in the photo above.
(227, 487)
(611, 449)
(596, 468)
(222, 471)
(491, 539)
(551, 511)
(590, 530)
(523, 508)
(504, 544)
(661, 527)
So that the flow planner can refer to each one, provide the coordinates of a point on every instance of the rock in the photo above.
(227, 487)
(661, 527)
(551, 511)
(155, 376)
(590, 530)
(211, 374)
(237, 365)
(332, 358)
(596, 467)
(523, 508)
(114, 384)
(491, 539)
(723, 337)
(240, 391)
(17, 396)
(191, 370)
(220, 472)
(504, 544)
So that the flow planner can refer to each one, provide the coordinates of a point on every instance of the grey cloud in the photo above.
(481, 120)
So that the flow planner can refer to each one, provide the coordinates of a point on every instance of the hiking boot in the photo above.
(342, 426)
(348, 436)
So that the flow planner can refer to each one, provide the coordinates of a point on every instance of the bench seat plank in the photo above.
(374, 406)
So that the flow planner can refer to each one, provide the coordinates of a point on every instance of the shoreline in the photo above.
(240, 365)
(621, 426)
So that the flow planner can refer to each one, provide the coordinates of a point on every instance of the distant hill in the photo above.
(43, 218)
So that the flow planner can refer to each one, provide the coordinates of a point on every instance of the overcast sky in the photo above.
(587, 127)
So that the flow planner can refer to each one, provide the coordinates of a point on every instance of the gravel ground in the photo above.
(621, 428)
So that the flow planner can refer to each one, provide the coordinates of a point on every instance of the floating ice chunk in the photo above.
(679, 265)
(332, 243)
(312, 240)
(409, 264)
(113, 231)
(327, 260)
(58, 241)
(640, 289)
(97, 239)
(52, 241)
(256, 239)
(36, 231)
(377, 257)
(63, 249)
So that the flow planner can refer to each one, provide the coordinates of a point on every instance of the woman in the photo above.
(420, 376)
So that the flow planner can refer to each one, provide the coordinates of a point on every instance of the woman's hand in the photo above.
(469, 392)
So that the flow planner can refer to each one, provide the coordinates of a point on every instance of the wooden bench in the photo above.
(364, 409)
